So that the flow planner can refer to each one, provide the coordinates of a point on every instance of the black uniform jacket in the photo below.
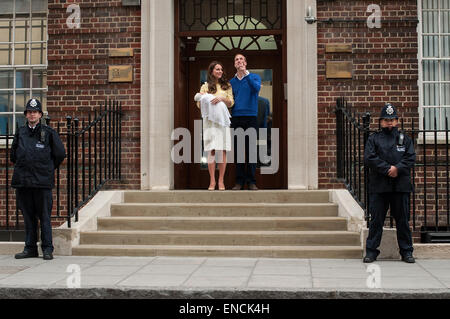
(383, 150)
(36, 156)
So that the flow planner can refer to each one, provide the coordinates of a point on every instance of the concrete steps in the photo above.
(221, 251)
(284, 224)
(225, 209)
(222, 223)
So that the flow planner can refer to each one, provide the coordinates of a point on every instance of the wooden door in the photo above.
(269, 67)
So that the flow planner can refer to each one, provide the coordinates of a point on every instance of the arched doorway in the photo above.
(207, 30)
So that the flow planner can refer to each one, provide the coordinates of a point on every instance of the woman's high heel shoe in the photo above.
(221, 187)
(212, 187)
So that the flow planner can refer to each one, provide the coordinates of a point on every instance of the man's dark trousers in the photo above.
(36, 204)
(379, 204)
(245, 172)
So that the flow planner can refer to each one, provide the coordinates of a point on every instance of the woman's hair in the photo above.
(224, 84)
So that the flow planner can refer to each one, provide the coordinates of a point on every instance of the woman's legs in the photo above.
(212, 169)
(222, 168)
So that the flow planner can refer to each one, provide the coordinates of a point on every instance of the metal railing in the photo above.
(430, 200)
(93, 148)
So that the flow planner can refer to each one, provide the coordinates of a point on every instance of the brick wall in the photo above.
(78, 70)
(385, 69)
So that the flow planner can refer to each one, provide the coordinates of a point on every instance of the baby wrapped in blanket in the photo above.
(216, 113)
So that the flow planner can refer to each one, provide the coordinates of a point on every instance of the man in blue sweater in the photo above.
(246, 88)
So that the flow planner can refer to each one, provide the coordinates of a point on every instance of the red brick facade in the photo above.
(385, 68)
(78, 61)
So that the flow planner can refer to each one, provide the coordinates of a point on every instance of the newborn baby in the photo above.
(216, 113)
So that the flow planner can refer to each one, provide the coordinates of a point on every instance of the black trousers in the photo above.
(36, 204)
(245, 172)
(379, 203)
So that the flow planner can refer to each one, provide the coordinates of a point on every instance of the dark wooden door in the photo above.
(270, 68)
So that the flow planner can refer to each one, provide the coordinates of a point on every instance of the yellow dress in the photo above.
(216, 137)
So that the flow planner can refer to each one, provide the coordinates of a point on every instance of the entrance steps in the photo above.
(283, 224)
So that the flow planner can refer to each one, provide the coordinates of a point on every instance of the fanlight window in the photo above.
(226, 43)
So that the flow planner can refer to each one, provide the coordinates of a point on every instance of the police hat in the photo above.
(33, 105)
(388, 112)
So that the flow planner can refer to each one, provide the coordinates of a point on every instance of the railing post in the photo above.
(69, 171)
(366, 128)
(76, 180)
(339, 138)
(7, 175)
(58, 183)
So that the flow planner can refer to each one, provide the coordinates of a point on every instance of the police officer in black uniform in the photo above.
(36, 152)
(390, 155)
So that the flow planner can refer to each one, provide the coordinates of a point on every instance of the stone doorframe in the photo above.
(157, 95)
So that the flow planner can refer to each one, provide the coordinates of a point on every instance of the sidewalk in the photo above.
(198, 277)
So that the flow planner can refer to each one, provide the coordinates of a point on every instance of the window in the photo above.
(434, 61)
(23, 58)
(243, 43)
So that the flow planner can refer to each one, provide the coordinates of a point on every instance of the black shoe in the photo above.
(369, 259)
(252, 187)
(48, 256)
(237, 187)
(26, 254)
(408, 259)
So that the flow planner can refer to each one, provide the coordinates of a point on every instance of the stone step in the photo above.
(209, 209)
(223, 223)
(261, 196)
(332, 252)
(258, 238)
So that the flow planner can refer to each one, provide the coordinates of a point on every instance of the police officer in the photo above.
(36, 152)
(390, 155)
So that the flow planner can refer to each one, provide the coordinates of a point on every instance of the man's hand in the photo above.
(393, 172)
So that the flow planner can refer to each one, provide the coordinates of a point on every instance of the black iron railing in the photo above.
(93, 155)
(430, 201)
(93, 147)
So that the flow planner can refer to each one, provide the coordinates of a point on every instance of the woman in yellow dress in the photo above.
(216, 134)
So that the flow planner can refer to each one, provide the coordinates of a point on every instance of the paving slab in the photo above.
(110, 270)
(224, 271)
(151, 280)
(282, 270)
(178, 260)
(193, 277)
(217, 281)
(125, 261)
(280, 281)
(168, 269)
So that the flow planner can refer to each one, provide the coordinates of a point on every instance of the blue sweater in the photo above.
(245, 94)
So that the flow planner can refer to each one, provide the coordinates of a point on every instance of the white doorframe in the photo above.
(157, 95)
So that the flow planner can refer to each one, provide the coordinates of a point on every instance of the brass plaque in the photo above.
(338, 48)
(339, 70)
(120, 73)
(121, 52)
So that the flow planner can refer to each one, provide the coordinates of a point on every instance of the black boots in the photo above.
(26, 254)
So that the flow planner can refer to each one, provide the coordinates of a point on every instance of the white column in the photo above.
(157, 98)
(302, 96)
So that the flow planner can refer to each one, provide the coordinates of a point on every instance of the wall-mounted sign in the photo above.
(339, 69)
(120, 73)
(127, 3)
(121, 52)
(338, 48)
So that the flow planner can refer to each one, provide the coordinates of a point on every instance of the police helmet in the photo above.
(388, 112)
(33, 105)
